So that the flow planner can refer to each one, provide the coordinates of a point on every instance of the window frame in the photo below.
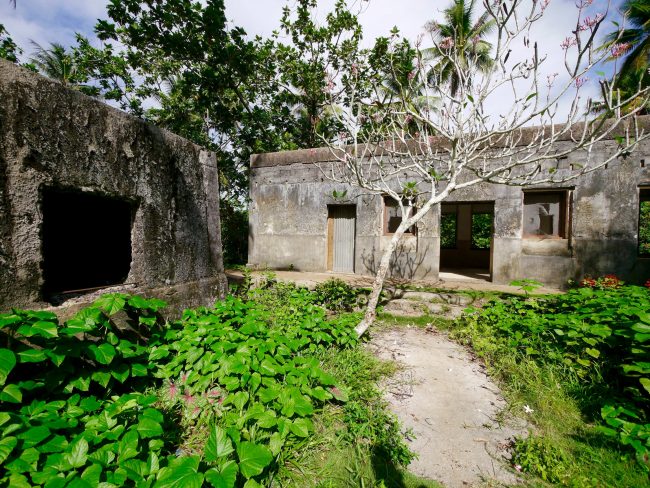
(644, 196)
(408, 232)
(565, 222)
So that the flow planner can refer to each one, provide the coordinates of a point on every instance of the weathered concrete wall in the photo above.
(288, 222)
(53, 137)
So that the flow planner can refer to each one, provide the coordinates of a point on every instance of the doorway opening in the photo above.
(466, 242)
(86, 242)
(341, 230)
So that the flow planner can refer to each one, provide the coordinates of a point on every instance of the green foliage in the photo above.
(336, 295)
(234, 234)
(8, 48)
(540, 457)
(597, 339)
(448, 224)
(236, 391)
(481, 230)
(644, 228)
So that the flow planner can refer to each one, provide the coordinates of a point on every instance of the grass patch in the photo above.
(359, 443)
(387, 320)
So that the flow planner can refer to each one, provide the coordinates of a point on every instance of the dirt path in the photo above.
(450, 404)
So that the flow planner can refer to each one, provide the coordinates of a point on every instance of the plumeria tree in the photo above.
(505, 115)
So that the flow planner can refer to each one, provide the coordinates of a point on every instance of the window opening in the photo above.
(393, 217)
(644, 222)
(545, 214)
(86, 242)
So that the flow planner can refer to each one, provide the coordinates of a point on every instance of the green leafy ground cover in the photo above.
(238, 394)
(579, 364)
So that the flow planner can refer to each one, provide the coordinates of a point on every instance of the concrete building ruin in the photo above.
(553, 233)
(92, 197)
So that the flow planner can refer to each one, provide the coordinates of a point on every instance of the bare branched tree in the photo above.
(453, 138)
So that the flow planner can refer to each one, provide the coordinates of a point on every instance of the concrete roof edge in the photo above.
(13, 73)
(324, 154)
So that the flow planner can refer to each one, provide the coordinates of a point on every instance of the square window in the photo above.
(644, 222)
(545, 214)
(393, 217)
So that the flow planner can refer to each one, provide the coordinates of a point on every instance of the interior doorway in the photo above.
(86, 241)
(466, 238)
(341, 230)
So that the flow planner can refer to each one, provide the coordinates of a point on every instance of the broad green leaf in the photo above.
(301, 427)
(218, 445)
(45, 329)
(120, 372)
(252, 484)
(34, 435)
(7, 445)
(12, 394)
(92, 474)
(128, 446)
(253, 458)
(149, 428)
(111, 303)
(268, 394)
(7, 363)
(101, 377)
(182, 472)
(78, 454)
(18, 481)
(224, 477)
(32, 356)
(58, 443)
(103, 354)
(138, 369)
(594, 353)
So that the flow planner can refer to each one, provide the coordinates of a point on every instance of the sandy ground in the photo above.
(451, 405)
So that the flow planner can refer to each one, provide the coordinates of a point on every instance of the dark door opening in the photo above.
(86, 241)
(466, 238)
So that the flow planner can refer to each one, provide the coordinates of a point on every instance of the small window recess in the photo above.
(393, 217)
(547, 214)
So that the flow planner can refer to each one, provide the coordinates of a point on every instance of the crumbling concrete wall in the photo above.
(288, 222)
(54, 137)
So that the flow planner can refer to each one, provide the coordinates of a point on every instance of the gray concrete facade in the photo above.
(289, 222)
(55, 141)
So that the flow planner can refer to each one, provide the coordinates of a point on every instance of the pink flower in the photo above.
(550, 79)
(447, 43)
(619, 50)
(581, 81)
(545, 4)
(518, 467)
(568, 42)
(411, 75)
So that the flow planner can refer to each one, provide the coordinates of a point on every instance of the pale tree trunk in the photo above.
(371, 310)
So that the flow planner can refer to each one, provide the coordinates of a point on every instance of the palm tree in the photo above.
(54, 63)
(460, 45)
(633, 45)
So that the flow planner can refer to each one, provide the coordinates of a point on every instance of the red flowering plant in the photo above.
(609, 281)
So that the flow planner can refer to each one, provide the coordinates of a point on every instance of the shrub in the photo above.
(336, 295)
